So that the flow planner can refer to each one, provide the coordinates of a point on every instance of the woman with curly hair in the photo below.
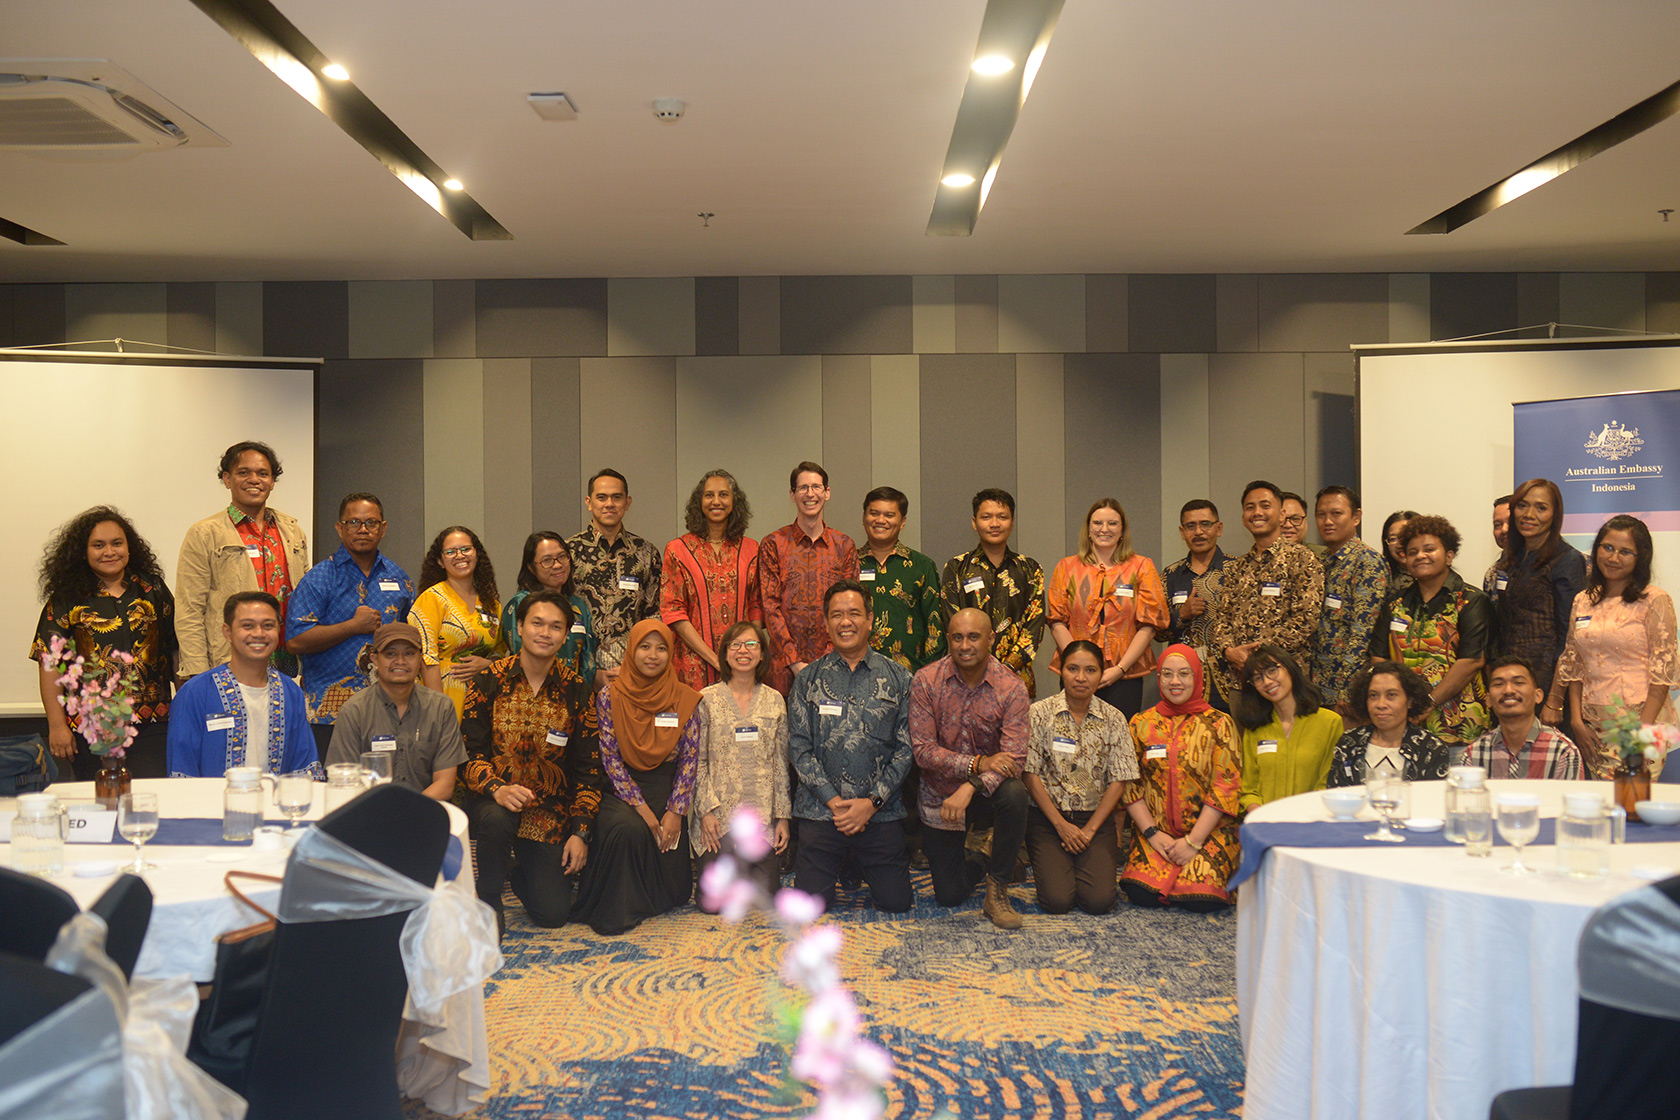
(104, 593)
(711, 576)
(456, 613)
(547, 566)
(1392, 697)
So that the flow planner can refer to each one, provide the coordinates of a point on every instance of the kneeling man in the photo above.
(415, 724)
(1521, 746)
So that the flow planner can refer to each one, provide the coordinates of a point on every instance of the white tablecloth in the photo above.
(1394, 982)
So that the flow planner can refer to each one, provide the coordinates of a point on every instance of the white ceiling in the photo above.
(1193, 136)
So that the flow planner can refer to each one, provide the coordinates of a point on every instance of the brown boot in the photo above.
(997, 906)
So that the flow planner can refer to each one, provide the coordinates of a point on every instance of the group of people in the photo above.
(600, 726)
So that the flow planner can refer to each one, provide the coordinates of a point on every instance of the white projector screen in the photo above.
(1435, 427)
(141, 434)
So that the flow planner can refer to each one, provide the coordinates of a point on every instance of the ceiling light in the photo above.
(958, 179)
(992, 65)
(336, 72)
(452, 184)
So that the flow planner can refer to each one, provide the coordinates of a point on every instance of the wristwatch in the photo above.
(585, 832)
(876, 801)
(1149, 833)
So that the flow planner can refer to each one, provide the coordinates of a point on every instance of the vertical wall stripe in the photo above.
(1612, 300)
(1041, 314)
(650, 315)
(1537, 300)
(968, 443)
(1408, 307)
(934, 315)
(507, 463)
(556, 456)
(1241, 450)
(977, 314)
(132, 312)
(717, 315)
(846, 437)
(1184, 443)
(454, 443)
(1107, 313)
(384, 458)
(1237, 312)
(391, 319)
(760, 300)
(239, 319)
(1330, 425)
(1041, 474)
(631, 406)
(192, 316)
(454, 319)
(1113, 437)
(1662, 302)
(895, 452)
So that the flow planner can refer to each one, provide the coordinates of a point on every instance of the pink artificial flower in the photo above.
(752, 842)
(849, 1103)
(797, 908)
(716, 879)
(812, 962)
(738, 901)
(827, 1034)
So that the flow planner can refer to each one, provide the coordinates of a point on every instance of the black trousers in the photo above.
(538, 881)
(1126, 695)
(323, 740)
(878, 852)
(955, 872)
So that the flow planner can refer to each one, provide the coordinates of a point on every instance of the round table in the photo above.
(1387, 981)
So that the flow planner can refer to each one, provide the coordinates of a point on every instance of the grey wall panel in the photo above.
(717, 315)
(760, 323)
(1614, 301)
(507, 464)
(454, 319)
(1314, 311)
(968, 442)
(1237, 312)
(454, 461)
(306, 318)
(934, 314)
(1256, 430)
(8, 304)
(1330, 425)
(1040, 460)
(370, 435)
(392, 319)
(132, 312)
(38, 314)
(1106, 313)
(895, 439)
(541, 318)
(1041, 314)
(239, 320)
(977, 314)
(1408, 307)
(1537, 299)
(1113, 435)
(192, 316)
(1469, 303)
(847, 315)
(631, 407)
(650, 315)
(1662, 302)
(846, 431)
(1184, 442)
(1172, 314)
(556, 462)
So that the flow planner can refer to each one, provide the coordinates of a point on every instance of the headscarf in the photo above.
(1196, 703)
(637, 699)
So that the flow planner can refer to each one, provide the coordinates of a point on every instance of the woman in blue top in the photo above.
(547, 566)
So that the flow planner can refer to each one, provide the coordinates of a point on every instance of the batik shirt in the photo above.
(1077, 762)
(908, 625)
(710, 587)
(140, 623)
(620, 581)
(849, 734)
(268, 558)
(1546, 753)
(1108, 606)
(328, 594)
(794, 572)
(1428, 637)
(1355, 581)
(1532, 609)
(1272, 594)
(623, 781)
(1181, 580)
(1423, 757)
(1012, 595)
(952, 724)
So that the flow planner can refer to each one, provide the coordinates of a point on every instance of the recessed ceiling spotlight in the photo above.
(452, 184)
(336, 72)
(958, 179)
(991, 65)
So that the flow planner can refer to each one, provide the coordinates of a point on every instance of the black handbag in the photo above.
(227, 1017)
(26, 766)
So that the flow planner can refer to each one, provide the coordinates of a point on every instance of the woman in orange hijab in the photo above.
(650, 749)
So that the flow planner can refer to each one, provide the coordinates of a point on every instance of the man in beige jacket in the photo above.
(246, 547)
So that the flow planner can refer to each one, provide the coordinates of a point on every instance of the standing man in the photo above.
(849, 738)
(903, 584)
(397, 714)
(246, 547)
(1493, 582)
(1355, 581)
(338, 604)
(533, 772)
(1007, 586)
(1521, 746)
(968, 730)
(1193, 583)
(1273, 593)
(244, 712)
(796, 565)
(615, 571)
(1295, 522)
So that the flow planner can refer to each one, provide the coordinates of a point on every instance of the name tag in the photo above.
(1398, 625)
(1500, 581)
(973, 584)
(1332, 602)
(629, 583)
(1155, 753)
(1180, 598)
(1581, 622)
(1266, 746)
(383, 743)
(577, 628)
(1271, 590)
(746, 734)
(253, 552)
(555, 739)
(89, 824)
(1124, 591)
(665, 719)
(221, 721)
(389, 585)
(867, 575)
(828, 709)
(1061, 744)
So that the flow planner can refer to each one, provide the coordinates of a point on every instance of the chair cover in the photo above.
(68, 1064)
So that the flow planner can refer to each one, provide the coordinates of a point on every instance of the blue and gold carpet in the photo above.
(1131, 1015)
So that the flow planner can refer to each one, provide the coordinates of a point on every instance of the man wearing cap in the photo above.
(417, 725)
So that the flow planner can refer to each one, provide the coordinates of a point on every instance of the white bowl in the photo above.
(1344, 803)
(1658, 812)
(1424, 824)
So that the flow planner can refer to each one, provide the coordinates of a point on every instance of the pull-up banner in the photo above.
(1612, 454)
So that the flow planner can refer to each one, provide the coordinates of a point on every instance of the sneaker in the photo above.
(997, 906)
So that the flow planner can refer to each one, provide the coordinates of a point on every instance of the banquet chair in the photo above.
(60, 1044)
(126, 907)
(1629, 1025)
(326, 1032)
(31, 910)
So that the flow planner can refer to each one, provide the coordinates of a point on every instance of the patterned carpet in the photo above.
(1132, 1015)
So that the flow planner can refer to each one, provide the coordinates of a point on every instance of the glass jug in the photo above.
(242, 802)
(38, 833)
(345, 780)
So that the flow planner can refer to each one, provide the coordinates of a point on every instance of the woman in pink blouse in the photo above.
(711, 576)
(1621, 643)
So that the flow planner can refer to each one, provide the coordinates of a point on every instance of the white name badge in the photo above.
(867, 575)
(746, 734)
(1332, 602)
(973, 584)
(1063, 745)
(90, 824)
(665, 719)
(1581, 622)
(629, 583)
(383, 743)
(218, 722)
(1499, 582)
(253, 551)
(389, 585)
(1266, 746)
(1180, 598)
(1124, 591)
(1398, 625)
(577, 628)
(1271, 590)
(828, 709)
(555, 739)
(1155, 753)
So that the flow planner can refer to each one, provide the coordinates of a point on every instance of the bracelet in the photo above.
(974, 766)
(1193, 844)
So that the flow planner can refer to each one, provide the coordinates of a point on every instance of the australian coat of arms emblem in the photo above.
(1614, 442)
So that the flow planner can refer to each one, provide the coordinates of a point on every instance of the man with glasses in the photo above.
(796, 565)
(615, 571)
(338, 605)
(1193, 583)
(1295, 522)
(398, 715)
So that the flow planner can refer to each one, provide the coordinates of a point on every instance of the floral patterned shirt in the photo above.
(330, 593)
(1181, 580)
(1108, 606)
(909, 627)
(620, 582)
(1011, 594)
(140, 623)
(1355, 581)
(1428, 637)
(1273, 594)
(1077, 762)
(268, 558)
(952, 724)
(794, 572)
(849, 734)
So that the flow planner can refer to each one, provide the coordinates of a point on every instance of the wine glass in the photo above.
(137, 821)
(1385, 794)
(294, 794)
(1519, 824)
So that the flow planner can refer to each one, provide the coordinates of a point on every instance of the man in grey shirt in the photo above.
(399, 715)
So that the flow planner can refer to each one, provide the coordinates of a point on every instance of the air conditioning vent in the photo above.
(88, 105)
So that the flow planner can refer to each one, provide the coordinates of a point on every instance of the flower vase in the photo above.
(111, 782)
(1632, 787)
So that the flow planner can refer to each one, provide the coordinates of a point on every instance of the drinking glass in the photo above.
(294, 793)
(1519, 824)
(378, 763)
(137, 821)
(1386, 794)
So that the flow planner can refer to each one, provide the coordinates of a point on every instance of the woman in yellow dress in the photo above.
(456, 613)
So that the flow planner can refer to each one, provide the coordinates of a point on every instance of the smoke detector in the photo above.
(669, 109)
(77, 106)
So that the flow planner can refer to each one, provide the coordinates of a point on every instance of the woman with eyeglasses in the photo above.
(547, 566)
(1288, 737)
(1399, 577)
(711, 576)
(1621, 643)
(456, 613)
(743, 754)
(1536, 581)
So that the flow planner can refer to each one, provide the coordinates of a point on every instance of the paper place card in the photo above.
(91, 824)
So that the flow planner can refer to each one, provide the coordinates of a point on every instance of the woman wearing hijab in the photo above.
(1184, 804)
(650, 749)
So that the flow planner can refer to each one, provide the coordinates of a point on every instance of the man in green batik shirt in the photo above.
(904, 584)
(1009, 587)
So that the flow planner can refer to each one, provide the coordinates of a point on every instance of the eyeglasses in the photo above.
(459, 550)
(1297, 519)
(1623, 553)
(810, 488)
(1197, 526)
(1271, 671)
(741, 647)
(551, 562)
(355, 523)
